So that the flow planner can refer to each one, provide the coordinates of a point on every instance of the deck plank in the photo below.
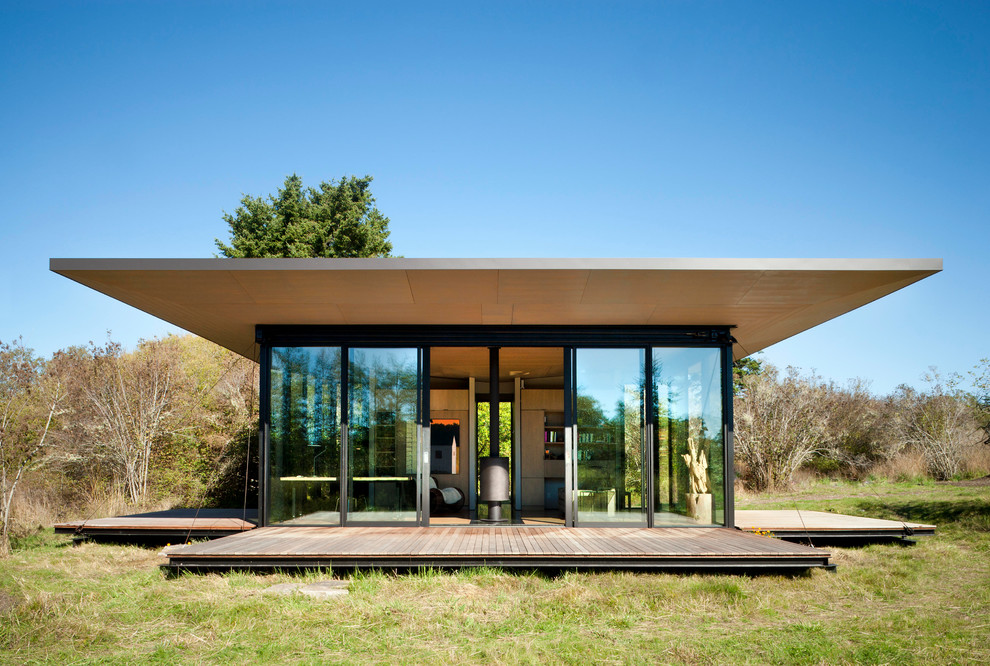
(172, 525)
(527, 546)
(823, 524)
(502, 543)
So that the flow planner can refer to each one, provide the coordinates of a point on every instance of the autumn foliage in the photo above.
(99, 429)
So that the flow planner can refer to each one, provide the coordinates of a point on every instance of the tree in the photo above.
(779, 425)
(213, 402)
(743, 368)
(30, 396)
(504, 429)
(981, 396)
(107, 441)
(940, 423)
(864, 430)
(132, 395)
(337, 220)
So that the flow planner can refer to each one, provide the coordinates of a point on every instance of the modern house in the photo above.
(615, 376)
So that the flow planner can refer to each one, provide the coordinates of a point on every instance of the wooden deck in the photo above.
(178, 525)
(824, 526)
(522, 547)
(174, 525)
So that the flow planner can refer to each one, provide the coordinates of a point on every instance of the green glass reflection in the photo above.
(305, 436)
(610, 426)
(382, 435)
(688, 439)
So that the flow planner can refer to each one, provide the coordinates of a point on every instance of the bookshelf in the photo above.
(553, 435)
(542, 444)
(553, 457)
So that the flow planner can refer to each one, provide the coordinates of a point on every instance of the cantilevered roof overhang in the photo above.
(765, 300)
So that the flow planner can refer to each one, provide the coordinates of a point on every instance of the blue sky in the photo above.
(513, 129)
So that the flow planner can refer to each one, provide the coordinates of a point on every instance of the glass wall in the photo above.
(315, 392)
(610, 432)
(689, 452)
(382, 439)
(305, 436)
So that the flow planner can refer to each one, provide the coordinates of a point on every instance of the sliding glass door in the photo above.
(609, 479)
(689, 444)
(384, 440)
(643, 439)
(305, 435)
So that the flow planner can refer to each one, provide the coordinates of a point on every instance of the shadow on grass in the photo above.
(40, 538)
(968, 514)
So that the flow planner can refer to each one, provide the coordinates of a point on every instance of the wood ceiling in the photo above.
(765, 300)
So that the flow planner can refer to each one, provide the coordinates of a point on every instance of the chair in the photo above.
(446, 500)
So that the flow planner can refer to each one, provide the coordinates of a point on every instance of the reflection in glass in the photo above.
(382, 435)
(305, 435)
(688, 437)
(610, 425)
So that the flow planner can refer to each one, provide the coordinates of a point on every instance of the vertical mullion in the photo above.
(345, 420)
(648, 420)
(515, 473)
(264, 440)
(473, 446)
(728, 464)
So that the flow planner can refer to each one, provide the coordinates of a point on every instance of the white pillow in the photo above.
(451, 495)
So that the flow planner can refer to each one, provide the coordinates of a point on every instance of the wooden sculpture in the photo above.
(699, 500)
(697, 464)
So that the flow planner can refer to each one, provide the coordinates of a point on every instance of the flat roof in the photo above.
(765, 300)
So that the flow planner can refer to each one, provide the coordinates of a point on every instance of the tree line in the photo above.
(96, 429)
(786, 423)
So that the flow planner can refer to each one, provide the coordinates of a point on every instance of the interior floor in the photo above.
(531, 518)
(526, 517)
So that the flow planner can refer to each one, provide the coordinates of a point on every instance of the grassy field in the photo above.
(929, 603)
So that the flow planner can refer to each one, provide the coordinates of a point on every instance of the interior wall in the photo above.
(454, 404)
(534, 469)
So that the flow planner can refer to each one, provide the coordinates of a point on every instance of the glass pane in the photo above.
(690, 455)
(305, 436)
(382, 435)
(610, 429)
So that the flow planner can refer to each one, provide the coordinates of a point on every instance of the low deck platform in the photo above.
(514, 547)
(174, 525)
(795, 525)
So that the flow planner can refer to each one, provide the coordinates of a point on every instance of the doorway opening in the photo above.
(531, 431)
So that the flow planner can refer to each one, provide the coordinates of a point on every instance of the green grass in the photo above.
(885, 604)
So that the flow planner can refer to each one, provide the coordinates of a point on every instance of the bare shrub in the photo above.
(863, 431)
(132, 396)
(980, 375)
(940, 423)
(784, 423)
(779, 425)
(172, 422)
